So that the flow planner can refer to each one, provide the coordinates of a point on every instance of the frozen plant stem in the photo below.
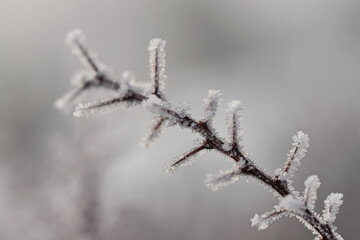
(152, 97)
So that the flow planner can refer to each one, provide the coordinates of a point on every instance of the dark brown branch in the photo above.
(156, 90)
(87, 56)
(189, 154)
(288, 165)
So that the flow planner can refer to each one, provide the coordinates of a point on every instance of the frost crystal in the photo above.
(234, 121)
(185, 160)
(157, 66)
(166, 110)
(87, 109)
(74, 37)
(214, 181)
(297, 152)
(76, 40)
(312, 183)
(291, 204)
(263, 221)
(332, 206)
(211, 103)
(153, 132)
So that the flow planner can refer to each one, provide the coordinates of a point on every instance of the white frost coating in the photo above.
(312, 183)
(307, 225)
(234, 118)
(184, 160)
(87, 109)
(291, 204)
(166, 110)
(296, 153)
(262, 222)
(211, 103)
(153, 132)
(77, 41)
(227, 146)
(171, 169)
(332, 206)
(157, 65)
(74, 37)
(128, 77)
(224, 178)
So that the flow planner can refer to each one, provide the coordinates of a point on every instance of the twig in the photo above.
(152, 98)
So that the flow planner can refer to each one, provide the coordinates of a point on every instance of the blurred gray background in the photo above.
(293, 64)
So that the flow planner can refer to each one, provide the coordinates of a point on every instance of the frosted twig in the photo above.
(222, 179)
(297, 152)
(263, 221)
(312, 183)
(154, 131)
(332, 206)
(234, 120)
(153, 99)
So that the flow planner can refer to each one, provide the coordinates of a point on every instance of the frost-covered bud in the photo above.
(157, 66)
(332, 206)
(312, 183)
(211, 103)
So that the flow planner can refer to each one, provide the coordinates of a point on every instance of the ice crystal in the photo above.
(292, 204)
(153, 132)
(332, 206)
(211, 103)
(312, 183)
(184, 160)
(87, 109)
(262, 222)
(234, 121)
(76, 40)
(162, 108)
(297, 152)
(224, 178)
(157, 66)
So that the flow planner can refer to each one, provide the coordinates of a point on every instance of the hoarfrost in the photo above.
(153, 132)
(291, 204)
(211, 103)
(312, 183)
(296, 153)
(332, 206)
(76, 40)
(262, 222)
(157, 66)
(184, 160)
(224, 178)
(234, 118)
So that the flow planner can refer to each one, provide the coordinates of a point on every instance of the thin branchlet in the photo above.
(152, 98)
